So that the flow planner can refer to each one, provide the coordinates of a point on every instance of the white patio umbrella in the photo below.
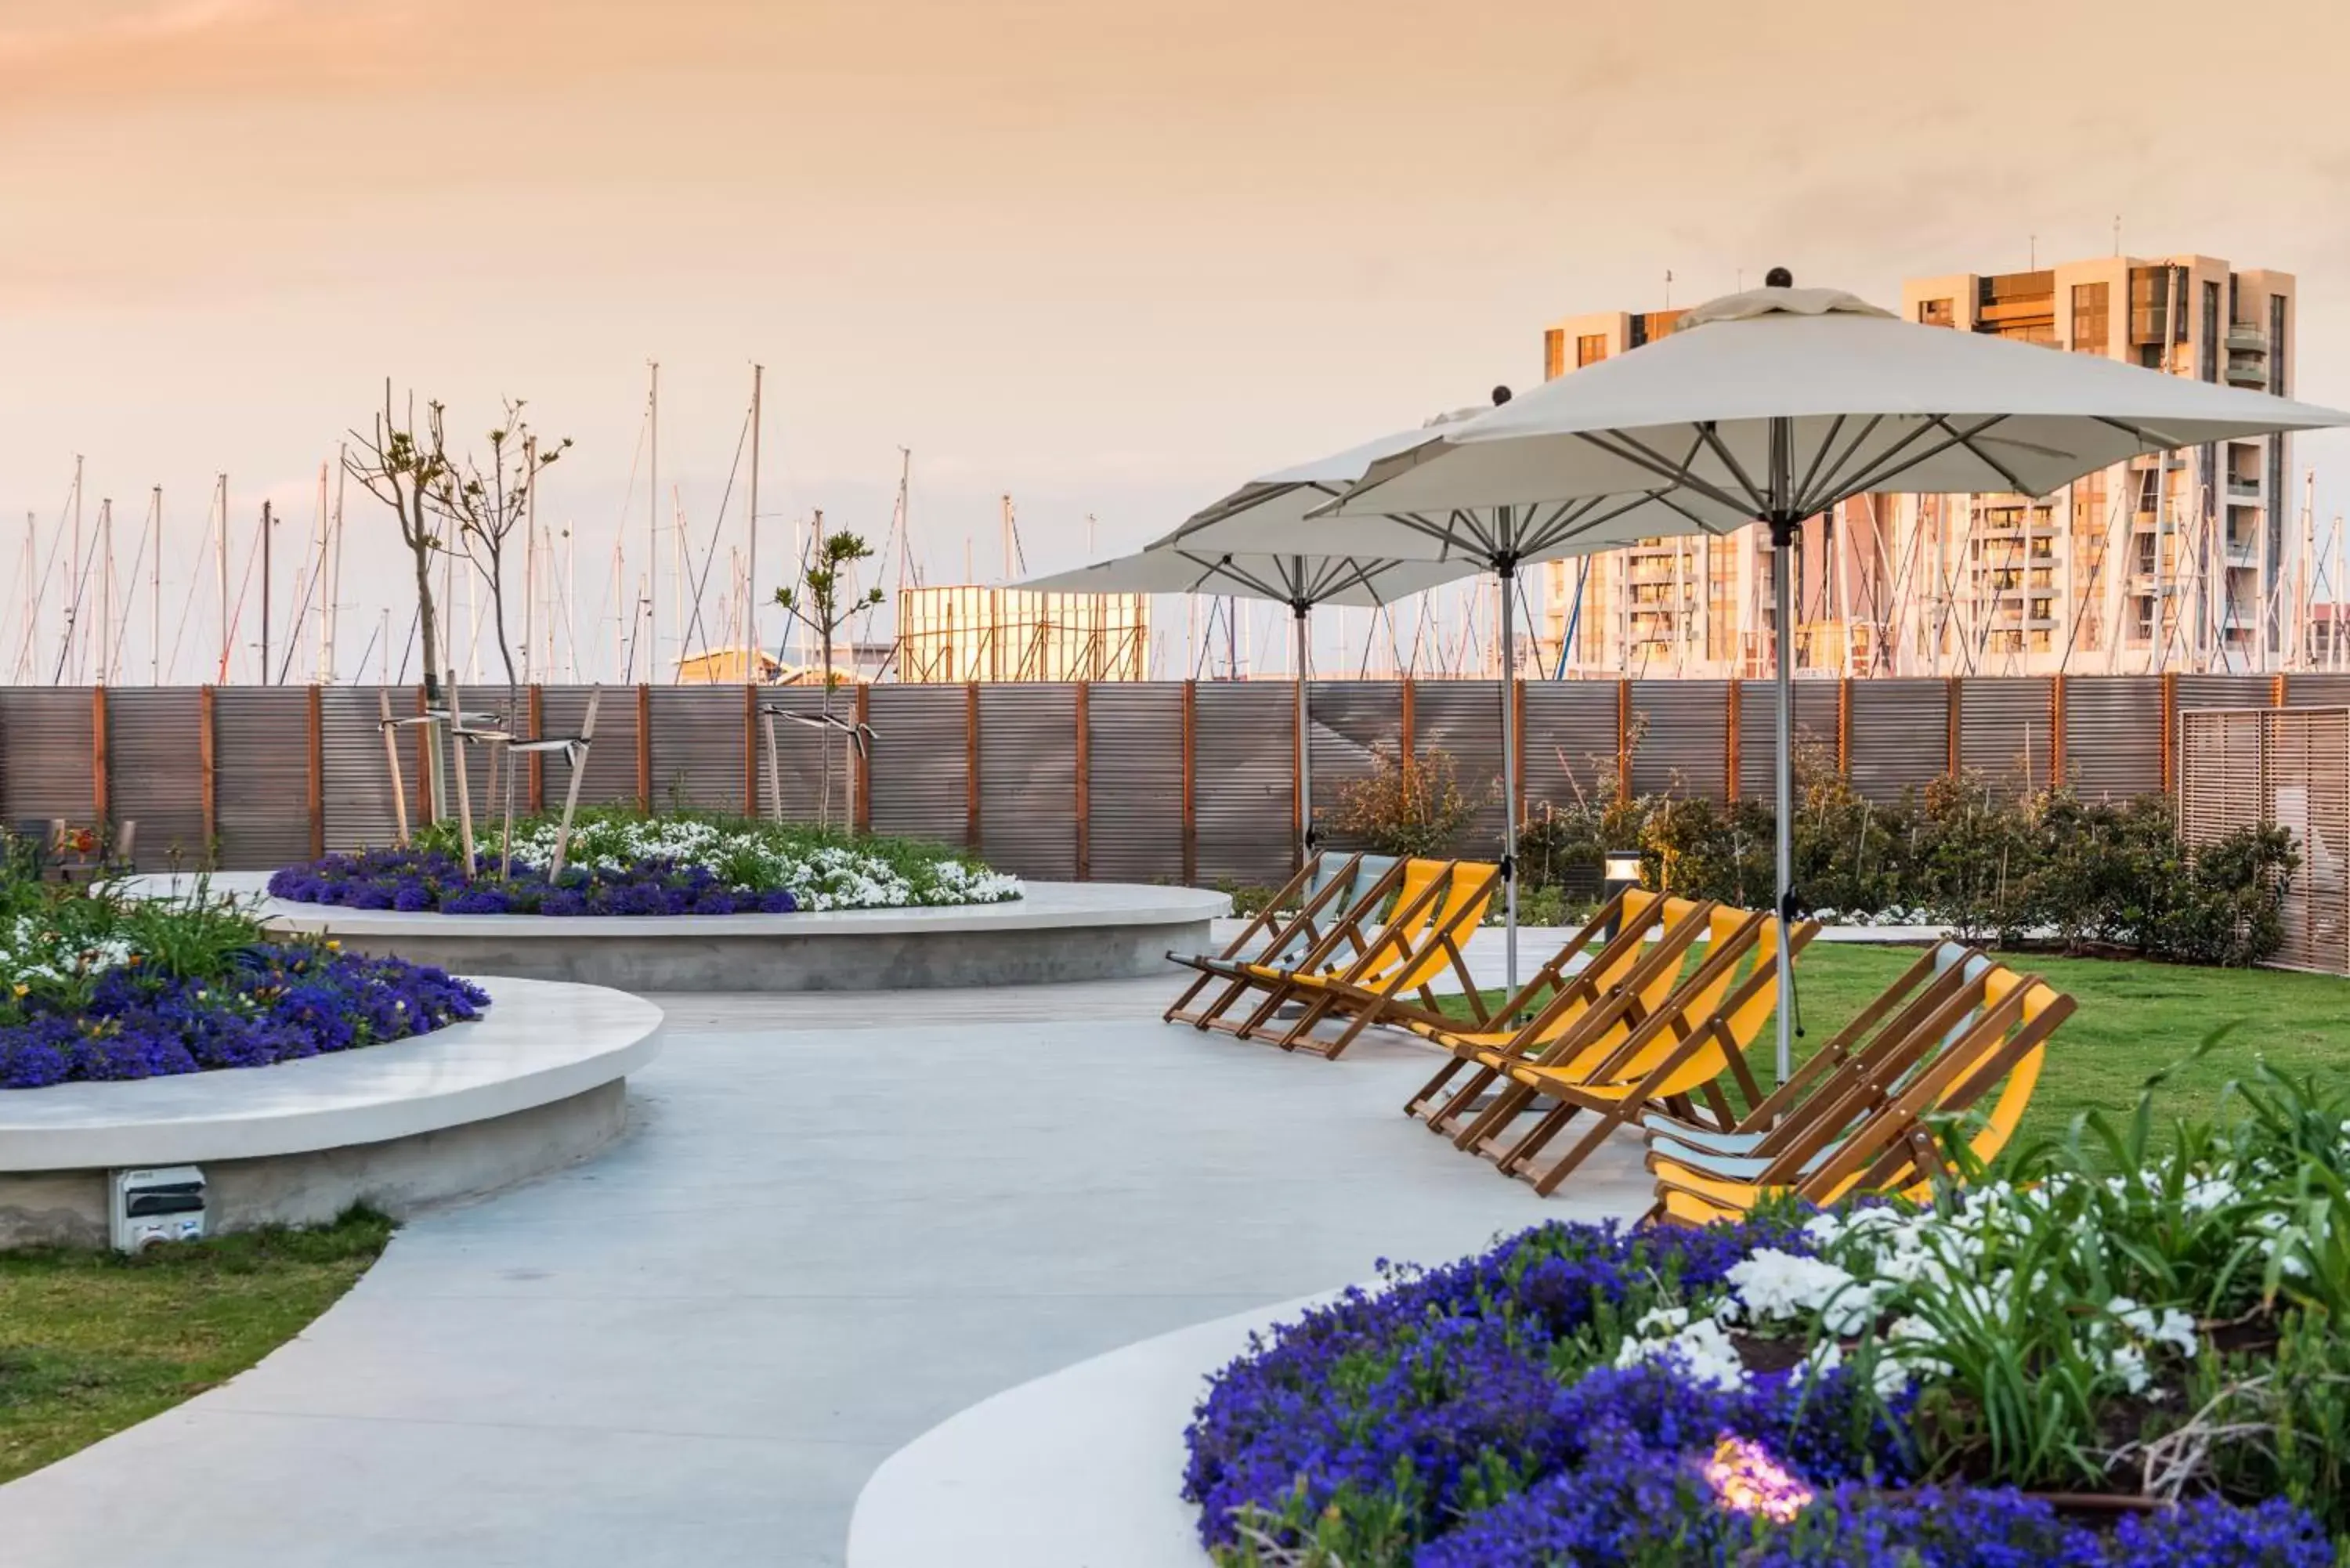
(1291, 511)
(1772, 406)
(1301, 582)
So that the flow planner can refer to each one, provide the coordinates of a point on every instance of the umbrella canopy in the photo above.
(1775, 405)
(1787, 400)
(1300, 582)
(1176, 565)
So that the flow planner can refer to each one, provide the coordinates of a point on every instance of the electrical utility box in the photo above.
(165, 1203)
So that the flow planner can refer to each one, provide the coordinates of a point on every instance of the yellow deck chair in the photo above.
(1894, 1151)
(1405, 990)
(1697, 1040)
(1874, 1050)
(1635, 972)
(1394, 905)
(1292, 921)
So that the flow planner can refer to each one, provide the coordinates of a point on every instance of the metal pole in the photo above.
(265, 593)
(1784, 779)
(1299, 608)
(1507, 567)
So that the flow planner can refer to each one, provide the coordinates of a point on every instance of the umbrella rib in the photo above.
(1712, 437)
(1886, 465)
(1968, 441)
(2148, 442)
(1224, 568)
(1662, 467)
(1827, 444)
(1541, 537)
(1859, 440)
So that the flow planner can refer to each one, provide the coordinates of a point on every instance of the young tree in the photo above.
(483, 504)
(818, 605)
(402, 466)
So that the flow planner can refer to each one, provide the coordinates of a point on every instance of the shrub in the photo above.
(1411, 805)
(1991, 863)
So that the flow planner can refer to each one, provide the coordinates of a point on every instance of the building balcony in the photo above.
(2248, 369)
(2242, 489)
(2248, 336)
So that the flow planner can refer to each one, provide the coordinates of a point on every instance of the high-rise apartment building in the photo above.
(2179, 562)
(1701, 607)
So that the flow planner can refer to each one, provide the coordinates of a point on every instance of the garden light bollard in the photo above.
(1619, 871)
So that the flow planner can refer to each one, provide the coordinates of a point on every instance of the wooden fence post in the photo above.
(1083, 782)
(971, 836)
(1518, 741)
(2276, 691)
(2169, 728)
(101, 794)
(1844, 727)
(207, 773)
(1190, 804)
(751, 749)
(862, 806)
(1623, 739)
(1953, 753)
(1410, 704)
(644, 748)
(2056, 730)
(536, 785)
(1730, 726)
(314, 729)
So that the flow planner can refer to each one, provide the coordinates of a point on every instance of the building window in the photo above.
(2208, 366)
(1553, 354)
(1590, 348)
(1936, 313)
(2092, 318)
(2276, 344)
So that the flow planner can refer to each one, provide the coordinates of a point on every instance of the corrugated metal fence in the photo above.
(1177, 780)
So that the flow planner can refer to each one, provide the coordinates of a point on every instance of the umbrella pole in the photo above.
(1783, 539)
(1304, 746)
(1508, 571)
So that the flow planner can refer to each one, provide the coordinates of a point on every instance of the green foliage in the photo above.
(1411, 805)
(1991, 865)
(2240, 1222)
(91, 1341)
(57, 939)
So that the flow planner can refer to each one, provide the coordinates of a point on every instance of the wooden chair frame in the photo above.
(1543, 1043)
(1270, 930)
(1242, 975)
(1361, 999)
(1704, 1046)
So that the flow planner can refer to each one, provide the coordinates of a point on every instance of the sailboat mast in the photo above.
(751, 529)
(266, 531)
(529, 549)
(653, 526)
(105, 590)
(327, 673)
(225, 631)
(155, 596)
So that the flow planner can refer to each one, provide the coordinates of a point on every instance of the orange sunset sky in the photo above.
(1110, 256)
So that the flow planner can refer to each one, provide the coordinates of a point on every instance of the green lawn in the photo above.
(2133, 1020)
(91, 1342)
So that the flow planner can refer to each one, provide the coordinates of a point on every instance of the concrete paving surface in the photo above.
(836, 1221)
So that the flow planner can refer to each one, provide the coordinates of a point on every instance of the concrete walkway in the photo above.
(836, 1221)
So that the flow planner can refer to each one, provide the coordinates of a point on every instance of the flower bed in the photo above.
(1838, 1388)
(98, 987)
(622, 863)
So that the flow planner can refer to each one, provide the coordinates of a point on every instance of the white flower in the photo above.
(1702, 1350)
(1773, 1285)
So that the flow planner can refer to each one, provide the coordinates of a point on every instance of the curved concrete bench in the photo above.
(538, 1081)
(1059, 931)
(1081, 1468)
